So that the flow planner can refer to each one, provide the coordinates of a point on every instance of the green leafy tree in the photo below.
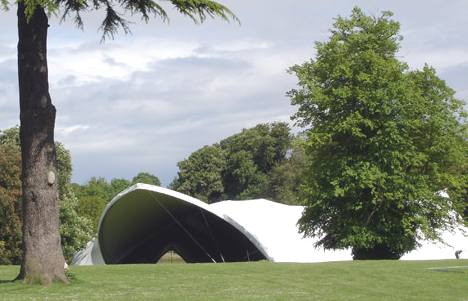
(238, 167)
(242, 177)
(267, 144)
(200, 175)
(448, 152)
(286, 178)
(93, 197)
(91, 207)
(75, 229)
(251, 155)
(10, 193)
(64, 168)
(43, 259)
(116, 186)
(10, 136)
(146, 178)
(382, 141)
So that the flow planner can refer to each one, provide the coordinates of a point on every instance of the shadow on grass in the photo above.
(452, 269)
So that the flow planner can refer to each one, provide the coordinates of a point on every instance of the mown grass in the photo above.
(359, 280)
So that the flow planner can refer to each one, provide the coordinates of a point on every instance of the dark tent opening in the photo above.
(143, 226)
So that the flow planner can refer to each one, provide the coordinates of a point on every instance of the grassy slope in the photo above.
(371, 280)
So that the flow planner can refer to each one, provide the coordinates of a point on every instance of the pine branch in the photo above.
(112, 22)
(199, 10)
(73, 6)
(145, 8)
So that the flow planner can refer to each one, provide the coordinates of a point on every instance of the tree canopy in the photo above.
(252, 154)
(257, 162)
(200, 175)
(382, 142)
(92, 199)
(146, 178)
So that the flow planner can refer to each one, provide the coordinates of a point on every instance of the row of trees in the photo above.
(262, 162)
(94, 195)
(80, 206)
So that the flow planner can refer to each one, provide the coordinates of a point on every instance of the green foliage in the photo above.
(242, 166)
(64, 167)
(93, 197)
(242, 177)
(381, 142)
(49, 5)
(75, 230)
(10, 136)
(91, 207)
(267, 144)
(251, 155)
(201, 174)
(444, 135)
(116, 186)
(146, 178)
(10, 193)
(286, 178)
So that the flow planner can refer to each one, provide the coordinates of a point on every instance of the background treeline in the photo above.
(265, 161)
(97, 192)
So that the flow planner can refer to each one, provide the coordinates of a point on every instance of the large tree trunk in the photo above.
(43, 260)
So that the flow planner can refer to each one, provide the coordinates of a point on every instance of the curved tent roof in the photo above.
(144, 222)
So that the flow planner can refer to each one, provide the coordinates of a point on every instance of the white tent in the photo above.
(144, 222)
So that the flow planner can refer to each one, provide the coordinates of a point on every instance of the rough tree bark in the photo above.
(43, 260)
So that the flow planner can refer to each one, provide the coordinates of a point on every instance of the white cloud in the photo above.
(438, 58)
(64, 131)
(92, 61)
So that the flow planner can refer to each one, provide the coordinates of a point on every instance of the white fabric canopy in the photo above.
(268, 227)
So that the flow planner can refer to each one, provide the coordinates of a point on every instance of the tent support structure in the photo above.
(182, 227)
(212, 235)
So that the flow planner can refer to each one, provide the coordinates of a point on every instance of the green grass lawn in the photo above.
(359, 280)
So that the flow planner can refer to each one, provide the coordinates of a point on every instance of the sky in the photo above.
(145, 101)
